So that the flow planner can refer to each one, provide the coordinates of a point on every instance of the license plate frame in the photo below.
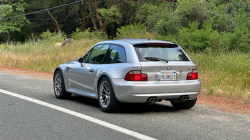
(168, 75)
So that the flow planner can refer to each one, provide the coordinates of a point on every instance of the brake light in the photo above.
(136, 75)
(192, 75)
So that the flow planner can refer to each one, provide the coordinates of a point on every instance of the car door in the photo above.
(82, 77)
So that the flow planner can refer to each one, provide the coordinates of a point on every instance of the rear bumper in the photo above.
(139, 92)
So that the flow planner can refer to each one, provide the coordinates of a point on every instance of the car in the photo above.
(130, 71)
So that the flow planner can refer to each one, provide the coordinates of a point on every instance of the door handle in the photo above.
(91, 70)
(67, 68)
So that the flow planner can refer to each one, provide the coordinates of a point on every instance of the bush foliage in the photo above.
(87, 34)
(198, 25)
(134, 31)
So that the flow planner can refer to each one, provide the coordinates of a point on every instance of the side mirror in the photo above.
(80, 60)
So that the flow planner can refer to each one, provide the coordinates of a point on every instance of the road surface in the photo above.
(29, 110)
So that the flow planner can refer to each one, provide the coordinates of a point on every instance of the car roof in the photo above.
(143, 41)
(135, 41)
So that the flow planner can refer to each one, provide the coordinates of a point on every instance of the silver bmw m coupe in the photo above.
(130, 71)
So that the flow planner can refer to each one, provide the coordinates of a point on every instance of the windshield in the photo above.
(167, 52)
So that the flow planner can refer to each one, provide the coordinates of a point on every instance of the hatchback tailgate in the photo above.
(154, 69)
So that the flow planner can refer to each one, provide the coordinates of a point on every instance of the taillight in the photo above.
(136, 75)
(192, 75)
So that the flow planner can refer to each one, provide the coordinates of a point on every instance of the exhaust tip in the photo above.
(151, 100)
(183, 98)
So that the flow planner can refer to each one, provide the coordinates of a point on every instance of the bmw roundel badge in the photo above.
(168, 67)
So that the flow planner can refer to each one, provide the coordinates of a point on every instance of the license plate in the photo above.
(168, 75)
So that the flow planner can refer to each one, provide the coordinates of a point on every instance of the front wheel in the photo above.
(106, 96)
(185, 105)
(59, 86)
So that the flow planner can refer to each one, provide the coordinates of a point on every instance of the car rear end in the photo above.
(166, 73)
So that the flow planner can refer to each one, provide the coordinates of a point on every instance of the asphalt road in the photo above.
(21, 119)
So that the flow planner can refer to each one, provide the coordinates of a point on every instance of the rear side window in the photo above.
(115, 54)
(169, 52)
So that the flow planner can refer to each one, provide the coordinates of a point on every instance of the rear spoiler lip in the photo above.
(170, 45)
(157, 44)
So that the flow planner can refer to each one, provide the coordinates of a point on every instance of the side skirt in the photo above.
(82, 93)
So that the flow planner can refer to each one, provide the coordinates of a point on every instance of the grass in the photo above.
(44, 56)
(226, 73)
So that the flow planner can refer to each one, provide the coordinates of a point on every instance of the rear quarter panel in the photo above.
(115, 71)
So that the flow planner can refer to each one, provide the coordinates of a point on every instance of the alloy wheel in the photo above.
(104, 93)
(58, 84)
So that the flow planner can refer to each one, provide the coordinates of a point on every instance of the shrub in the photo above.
(87, 34)
(192, 11)
(134, 31)
(52, 36)
(158, 18)
(239, 39)
(195, 39)
(200, 25)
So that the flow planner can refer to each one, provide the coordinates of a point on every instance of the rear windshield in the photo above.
(168, 52)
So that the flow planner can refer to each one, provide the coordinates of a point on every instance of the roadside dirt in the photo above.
(29, 73)
(225, 103)
(220, 102)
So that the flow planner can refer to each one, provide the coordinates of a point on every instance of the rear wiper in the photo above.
(155, 59)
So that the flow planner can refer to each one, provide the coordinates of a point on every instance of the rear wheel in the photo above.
(185, 105)
(59, 86)
(106, 96)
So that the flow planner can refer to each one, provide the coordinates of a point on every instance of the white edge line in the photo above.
(82, 116)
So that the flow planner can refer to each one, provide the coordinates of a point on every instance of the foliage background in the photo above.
(196, 25)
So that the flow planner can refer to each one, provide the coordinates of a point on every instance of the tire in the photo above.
(185, 105)
(106, 96)
(59, 86)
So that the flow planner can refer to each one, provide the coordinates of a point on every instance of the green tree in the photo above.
(103, 15)
(8, 9)
(66, 18)
(45, 4)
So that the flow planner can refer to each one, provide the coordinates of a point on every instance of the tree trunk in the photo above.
(57, 25)
(97, 15)
(102, 25)
(111, 31)
(82, 18)
(91, 16)
(111, 26)
(8, 38)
